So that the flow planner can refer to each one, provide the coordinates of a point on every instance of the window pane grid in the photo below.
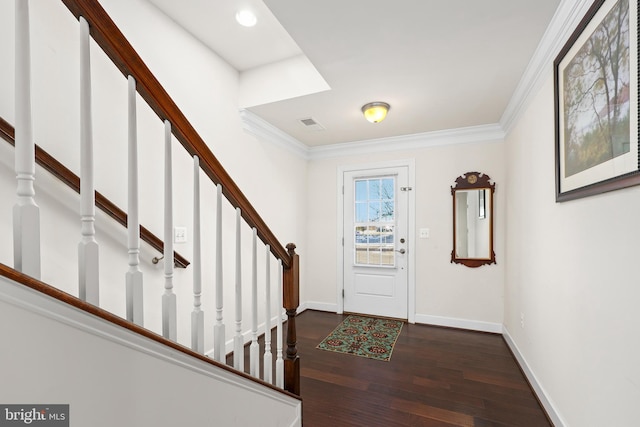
(374, 222)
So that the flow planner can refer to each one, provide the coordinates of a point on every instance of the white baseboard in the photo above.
(320, 306)
(452, 322)
(533, 380)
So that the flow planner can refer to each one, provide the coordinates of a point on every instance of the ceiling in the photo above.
(440, 64)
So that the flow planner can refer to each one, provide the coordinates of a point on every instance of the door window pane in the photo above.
(387, 188)
(387, 199)
(374, 211)
(361, 212)
(374, 189)
(374, 226)
(361, 191)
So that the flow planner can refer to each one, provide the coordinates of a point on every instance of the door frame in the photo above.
(411, 230)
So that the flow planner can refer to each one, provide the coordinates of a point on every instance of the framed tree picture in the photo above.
(596, 103)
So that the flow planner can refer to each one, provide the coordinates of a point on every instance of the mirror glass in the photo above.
(472, 225)
(473, 220)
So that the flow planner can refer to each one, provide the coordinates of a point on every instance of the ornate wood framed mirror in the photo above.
(473, 220)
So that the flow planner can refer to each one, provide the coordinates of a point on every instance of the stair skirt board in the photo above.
(114, 362)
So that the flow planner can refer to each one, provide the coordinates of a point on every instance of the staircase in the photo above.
(140, 341)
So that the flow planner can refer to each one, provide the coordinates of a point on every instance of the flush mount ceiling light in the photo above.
(246, 18)
(375, 112)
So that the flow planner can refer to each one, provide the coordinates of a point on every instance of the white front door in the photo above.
(375, 241)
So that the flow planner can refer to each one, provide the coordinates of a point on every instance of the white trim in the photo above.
(51, 308)
(467, 135)
(563, 23)
(540, 392)
(411, 244)
(318, 306)
(453, 322)
(266, 132)
(301, 308)
(339, 236)
(422, 319)
(410, 164)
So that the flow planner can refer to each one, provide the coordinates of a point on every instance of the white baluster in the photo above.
(218, 329)
(254, 349)
(279, 359)
(88, 246)
(268, 368)
(197, 316)
(26, 213)
(238, 342)
(134, 275)
(169, 310)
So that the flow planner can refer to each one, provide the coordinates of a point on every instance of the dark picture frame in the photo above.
(596, 103)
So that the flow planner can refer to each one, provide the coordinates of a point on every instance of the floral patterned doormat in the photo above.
(364, 336)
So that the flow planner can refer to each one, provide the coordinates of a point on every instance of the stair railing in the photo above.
(95, 23)
(64, 174)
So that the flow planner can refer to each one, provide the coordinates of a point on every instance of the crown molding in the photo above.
(265, 131)
(562, 25)
(467, 135)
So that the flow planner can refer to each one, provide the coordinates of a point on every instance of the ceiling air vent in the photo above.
(311, 124)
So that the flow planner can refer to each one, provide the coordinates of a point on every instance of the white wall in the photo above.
(206, 89)
(445, 293)
(571, 271)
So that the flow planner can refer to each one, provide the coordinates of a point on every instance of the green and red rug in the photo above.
(364, 336)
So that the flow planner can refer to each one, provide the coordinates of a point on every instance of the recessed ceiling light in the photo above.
(246, 18)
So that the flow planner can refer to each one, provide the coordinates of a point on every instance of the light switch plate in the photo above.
(424, 233)
(179, 234)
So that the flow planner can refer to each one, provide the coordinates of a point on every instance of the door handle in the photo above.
(402, 251)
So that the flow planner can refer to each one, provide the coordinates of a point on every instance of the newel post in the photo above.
(291, 301)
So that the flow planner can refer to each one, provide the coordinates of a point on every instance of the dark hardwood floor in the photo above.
(436, 377)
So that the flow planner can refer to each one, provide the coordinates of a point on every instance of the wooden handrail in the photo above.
(111, 40)
(7, 132)
(57, 169)
(71, 300)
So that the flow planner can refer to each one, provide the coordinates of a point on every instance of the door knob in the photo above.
(401, 250)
